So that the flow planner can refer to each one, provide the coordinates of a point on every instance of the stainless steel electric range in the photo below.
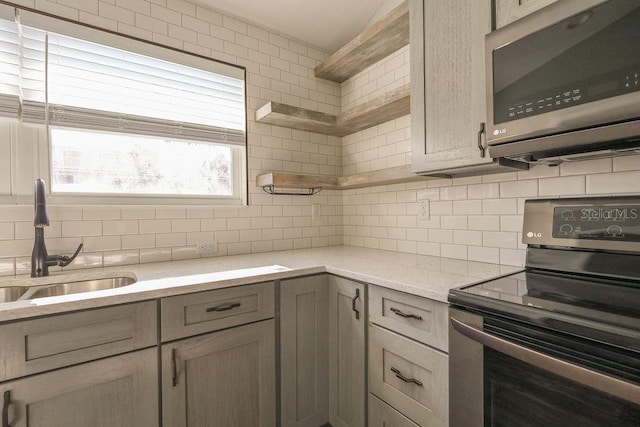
(557, 344)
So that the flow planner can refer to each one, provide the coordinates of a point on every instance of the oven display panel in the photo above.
(619, 223)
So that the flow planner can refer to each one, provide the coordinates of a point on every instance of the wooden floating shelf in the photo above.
(374, 43)
(378, 110)
(283, 180)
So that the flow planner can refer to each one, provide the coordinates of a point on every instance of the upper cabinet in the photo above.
(448, 100)
(508, 11)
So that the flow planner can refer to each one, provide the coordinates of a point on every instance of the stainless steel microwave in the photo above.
(564, 82)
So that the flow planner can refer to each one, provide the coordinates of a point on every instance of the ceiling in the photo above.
(325, 24)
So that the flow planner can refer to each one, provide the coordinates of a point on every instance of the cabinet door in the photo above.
(508, 11)
(304, 360)
(448, 101)
(118, 391)
(224, 379)
(347, 361)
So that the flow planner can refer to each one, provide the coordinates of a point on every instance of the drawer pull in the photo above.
(5, 408)
(174, 368)
(405, 379)
(353, 303)
(408, 316)
(224, 307)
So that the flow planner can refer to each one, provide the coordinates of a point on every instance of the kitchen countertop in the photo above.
(420, 275)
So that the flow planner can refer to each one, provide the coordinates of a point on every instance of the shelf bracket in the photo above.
(271, 189)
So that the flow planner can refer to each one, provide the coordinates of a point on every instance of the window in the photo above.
(125, 120)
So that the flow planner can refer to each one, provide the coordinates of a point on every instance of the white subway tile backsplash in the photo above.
(586, 167)
(139, 241)
(101, 243)
(522, 188)
(565, 186)
(81, 228)
(155, 226)
(626, 163)
(484, 254)
(155, 255)
(121, 258)
(499, 206)
(7, 230)
(500, 239)
(120, 227)
(618, 182)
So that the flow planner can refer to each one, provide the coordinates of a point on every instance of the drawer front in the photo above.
(43, 344)
(197, 313)
(419, 318)
(383, 415)
(409, 376)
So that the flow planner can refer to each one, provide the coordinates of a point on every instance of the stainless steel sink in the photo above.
(16, 293)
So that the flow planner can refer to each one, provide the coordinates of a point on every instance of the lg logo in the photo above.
(499, 131)
(532, 234)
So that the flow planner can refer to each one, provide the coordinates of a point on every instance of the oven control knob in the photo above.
(566, 229)
(566, 215)
(614, 230)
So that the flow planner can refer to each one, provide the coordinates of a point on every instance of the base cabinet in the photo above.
(224, 378)
(304, 355)
(347, 353)
(322, 352)
(117, 391)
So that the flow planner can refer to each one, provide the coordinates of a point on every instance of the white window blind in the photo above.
(97, 86)
(9, 64)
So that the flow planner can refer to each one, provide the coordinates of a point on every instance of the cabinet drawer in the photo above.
(419, 318)
(201, 312)
(43, 344)
(409, 376)
(383, 415)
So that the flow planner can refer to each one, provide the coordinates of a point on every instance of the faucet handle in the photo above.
(64, 260)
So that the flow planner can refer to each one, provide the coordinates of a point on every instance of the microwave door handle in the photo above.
(616, 387)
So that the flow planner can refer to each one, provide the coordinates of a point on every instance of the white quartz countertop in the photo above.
(425, 276)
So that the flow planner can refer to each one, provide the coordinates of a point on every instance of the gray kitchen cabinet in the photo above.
(408, 360)
(347, 353)
(117, 391)
(224, 378)
(448, 100)
(508, 11)
(304, 360)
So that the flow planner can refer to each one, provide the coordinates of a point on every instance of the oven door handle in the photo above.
(613, 386)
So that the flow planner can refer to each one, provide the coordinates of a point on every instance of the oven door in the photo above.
(495, 381)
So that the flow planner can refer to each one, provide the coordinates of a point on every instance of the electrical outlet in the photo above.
(207, 247)
(316, 211)
(423, 209)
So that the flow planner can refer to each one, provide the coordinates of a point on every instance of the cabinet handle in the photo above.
(480, 145)
(353, 303)
(224, 307)
(5, 408)
(408, 316)
(174, 368)
(405, 379)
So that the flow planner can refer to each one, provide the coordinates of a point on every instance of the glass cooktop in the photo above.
(542, 293)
